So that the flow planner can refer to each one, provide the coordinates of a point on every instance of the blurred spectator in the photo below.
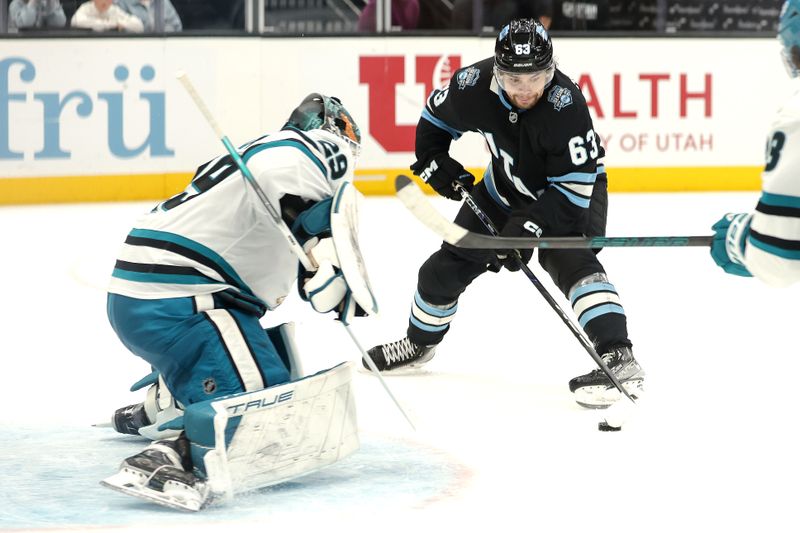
(405, 14)
(36, 14)
(497, 13)
(435, 15)
(145, 11)
(103, 15)
(589, 14)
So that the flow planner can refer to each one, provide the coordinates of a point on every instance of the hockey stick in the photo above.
(579, 334)
(414, 199)
(304, 259)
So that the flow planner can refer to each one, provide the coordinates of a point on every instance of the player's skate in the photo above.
(400, 355)
(161, 474)
(596, 391)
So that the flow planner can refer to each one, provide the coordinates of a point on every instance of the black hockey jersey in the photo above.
(544, 160)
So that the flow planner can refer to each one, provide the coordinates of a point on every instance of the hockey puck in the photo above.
(604, 426)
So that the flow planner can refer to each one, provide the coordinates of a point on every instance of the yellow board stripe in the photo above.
(46, 190)
(91, 188)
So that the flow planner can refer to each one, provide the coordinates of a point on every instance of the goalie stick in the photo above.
(304, 259)
(579, 334)
(414, 199)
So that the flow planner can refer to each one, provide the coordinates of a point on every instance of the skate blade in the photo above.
(409, 370)
(134, 484)
(602, 396)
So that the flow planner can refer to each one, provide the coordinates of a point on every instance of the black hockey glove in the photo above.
(440, 172)
(519, 225)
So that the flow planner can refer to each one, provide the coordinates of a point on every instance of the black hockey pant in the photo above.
(450, 270)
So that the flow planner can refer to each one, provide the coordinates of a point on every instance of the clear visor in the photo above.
(347, 135)
(516, 82)
(355, 148)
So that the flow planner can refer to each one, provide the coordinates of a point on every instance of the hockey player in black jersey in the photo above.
(546, 178)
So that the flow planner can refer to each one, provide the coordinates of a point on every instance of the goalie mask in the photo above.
(327, 113)
(789, 36)
(523, 56)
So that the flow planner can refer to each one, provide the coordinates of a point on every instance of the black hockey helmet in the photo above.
(523, 46)
(318, 111)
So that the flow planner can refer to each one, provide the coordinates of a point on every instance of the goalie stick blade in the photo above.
(414, 200)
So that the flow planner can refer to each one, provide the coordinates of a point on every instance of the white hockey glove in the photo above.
(326, 287)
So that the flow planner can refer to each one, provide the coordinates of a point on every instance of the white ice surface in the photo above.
(500, 444)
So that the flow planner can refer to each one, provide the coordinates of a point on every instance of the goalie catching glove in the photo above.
(441, 172)
(340, 280)
(326, 288)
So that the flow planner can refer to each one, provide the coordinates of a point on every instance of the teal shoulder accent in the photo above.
(291, 143)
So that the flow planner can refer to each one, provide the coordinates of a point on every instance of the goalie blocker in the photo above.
(248, 441)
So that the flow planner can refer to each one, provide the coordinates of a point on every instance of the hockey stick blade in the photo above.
(416, 202)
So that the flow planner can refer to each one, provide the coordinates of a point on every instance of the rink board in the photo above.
(124, 129)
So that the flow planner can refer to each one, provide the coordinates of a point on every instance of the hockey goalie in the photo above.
(228, 407)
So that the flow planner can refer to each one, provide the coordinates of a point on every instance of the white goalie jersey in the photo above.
(227, 242)
(772, 251)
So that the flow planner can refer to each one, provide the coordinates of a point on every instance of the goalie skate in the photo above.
(173, 494)
(157, 475)
(596, 391)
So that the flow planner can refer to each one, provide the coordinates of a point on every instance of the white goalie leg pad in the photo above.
(282, 337)
(252, 440)
(344, 230)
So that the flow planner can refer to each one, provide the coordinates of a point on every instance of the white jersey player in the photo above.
(766, 243)
(193, 279)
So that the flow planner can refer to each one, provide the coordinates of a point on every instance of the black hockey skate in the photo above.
(162, 474)
(400, 355)
(145, 418)
(128, 420)
(596, 391)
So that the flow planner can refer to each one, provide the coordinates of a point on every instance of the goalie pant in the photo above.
(577, 273)
(203, 347)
